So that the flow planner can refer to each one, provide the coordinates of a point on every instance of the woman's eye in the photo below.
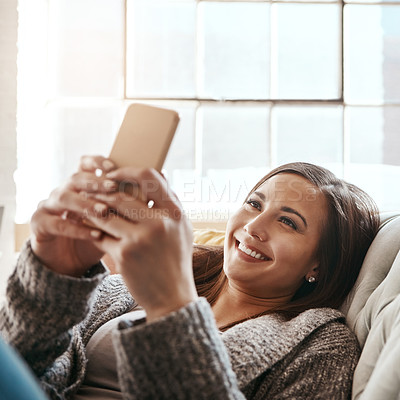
(289, 222)
(254, 204)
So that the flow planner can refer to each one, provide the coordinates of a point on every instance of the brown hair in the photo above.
(351, 225)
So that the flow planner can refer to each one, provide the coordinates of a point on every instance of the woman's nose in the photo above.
(257, 228)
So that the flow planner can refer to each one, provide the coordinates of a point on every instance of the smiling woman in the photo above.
(254, 319)
(281, 223)
(297, 243)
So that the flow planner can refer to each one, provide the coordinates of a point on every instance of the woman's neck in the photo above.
(233, 306)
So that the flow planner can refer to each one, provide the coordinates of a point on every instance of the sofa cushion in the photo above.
(211, 237)
(372, 312)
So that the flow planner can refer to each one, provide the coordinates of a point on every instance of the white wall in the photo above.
(8, 136)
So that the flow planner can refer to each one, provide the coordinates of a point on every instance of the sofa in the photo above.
(372, 310)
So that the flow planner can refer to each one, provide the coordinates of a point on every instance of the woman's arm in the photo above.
(178, 352)
(51, 288)
(178, 356)
(150, 240)
(40, 310)
(42, 306)
(44, 298)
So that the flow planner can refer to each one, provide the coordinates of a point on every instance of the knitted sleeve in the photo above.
(180, 356)
(40, 309)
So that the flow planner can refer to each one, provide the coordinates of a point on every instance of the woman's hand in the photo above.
(59, 238)
(150, 240)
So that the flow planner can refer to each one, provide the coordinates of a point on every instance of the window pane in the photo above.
(234, 154)
(374, 134)
(372, 54)
(306, 51)
(86, 47)
(379, 181)
(309, 133)
(161, 50)
(364, 128)
(234, 50)
(64, 134)
(83, 130)
(234, 136)
(374, 148)
(182, 152)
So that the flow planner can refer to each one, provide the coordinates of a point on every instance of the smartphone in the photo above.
(143, 139)
(145, 136)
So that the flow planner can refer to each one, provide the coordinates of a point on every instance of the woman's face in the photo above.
(281, 224)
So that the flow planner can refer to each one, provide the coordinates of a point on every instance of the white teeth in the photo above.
(250, 252)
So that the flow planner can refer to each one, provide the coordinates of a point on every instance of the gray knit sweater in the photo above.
(50, 318)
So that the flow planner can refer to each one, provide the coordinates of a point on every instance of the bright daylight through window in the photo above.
(256, 83)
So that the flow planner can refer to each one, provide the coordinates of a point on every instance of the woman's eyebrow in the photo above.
(292, 211)
(260, 195)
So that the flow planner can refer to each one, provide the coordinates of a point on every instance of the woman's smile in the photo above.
(250, 253)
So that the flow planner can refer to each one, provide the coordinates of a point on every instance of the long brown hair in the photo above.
(351, 225)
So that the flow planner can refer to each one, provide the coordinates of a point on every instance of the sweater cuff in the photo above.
(35, 292)
(184, 347)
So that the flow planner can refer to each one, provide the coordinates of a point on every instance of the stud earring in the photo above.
(311, 279)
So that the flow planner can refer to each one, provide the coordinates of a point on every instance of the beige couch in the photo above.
(372, 310)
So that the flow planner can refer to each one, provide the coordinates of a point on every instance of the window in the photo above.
(257, 84)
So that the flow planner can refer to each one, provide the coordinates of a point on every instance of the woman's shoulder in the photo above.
(306, 321)
(325, 330)
(329, 320)
(316, 317)
(258, 344)
(326, 323)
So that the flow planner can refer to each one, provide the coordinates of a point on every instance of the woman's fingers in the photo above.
(126, 220)
(47, 225)
(77, 205)
(87, 182)
(129, 207)
(152, 185)
(113, 225)
(93, 163)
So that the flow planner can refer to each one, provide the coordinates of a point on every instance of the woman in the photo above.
(269, 328)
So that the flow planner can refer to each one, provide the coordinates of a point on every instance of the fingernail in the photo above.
(108, 165)
(87, 162)
(100, 208)
(95, 234)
